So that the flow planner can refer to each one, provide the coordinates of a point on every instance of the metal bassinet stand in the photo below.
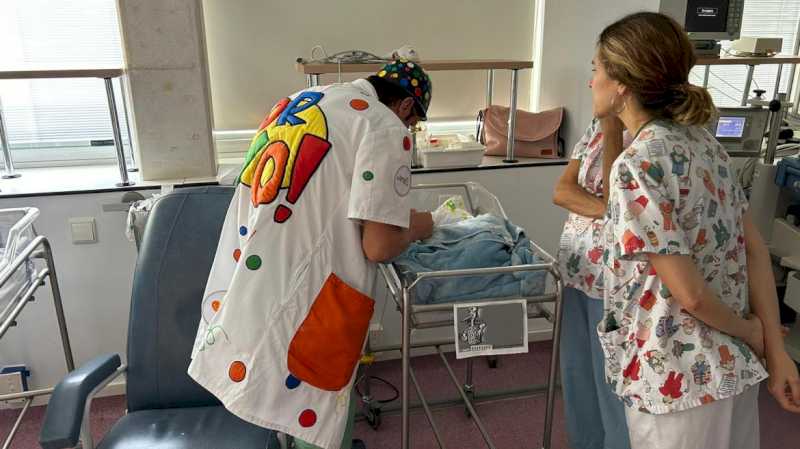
(23, 248)
(416, 317)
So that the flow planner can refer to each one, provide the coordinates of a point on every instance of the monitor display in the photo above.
(731, 127)
(706, 16)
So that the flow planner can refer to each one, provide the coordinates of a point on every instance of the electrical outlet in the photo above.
(11, 383)
(83, 230)
(375, 333)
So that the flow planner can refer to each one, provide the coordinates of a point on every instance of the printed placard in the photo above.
(490, 328)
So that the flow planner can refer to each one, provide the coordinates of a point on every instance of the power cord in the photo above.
(395, 390)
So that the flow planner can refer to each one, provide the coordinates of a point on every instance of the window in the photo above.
(57, 121)
(762, 18)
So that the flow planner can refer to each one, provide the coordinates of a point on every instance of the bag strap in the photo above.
(479, 126)
(562, 144)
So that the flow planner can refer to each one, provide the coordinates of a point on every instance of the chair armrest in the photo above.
(65, 411)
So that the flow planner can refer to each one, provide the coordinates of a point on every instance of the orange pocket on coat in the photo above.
(326, 348)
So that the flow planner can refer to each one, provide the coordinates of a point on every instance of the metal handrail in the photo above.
(56, 74)
(107, 75)
(448, 306)
(478, 272)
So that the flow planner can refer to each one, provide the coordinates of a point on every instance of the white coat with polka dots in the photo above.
(287, 305)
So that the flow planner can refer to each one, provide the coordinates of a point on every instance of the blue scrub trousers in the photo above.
(595, 416)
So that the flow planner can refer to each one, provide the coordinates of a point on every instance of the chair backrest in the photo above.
(175, 258)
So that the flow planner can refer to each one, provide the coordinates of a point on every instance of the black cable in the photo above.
(383, 381)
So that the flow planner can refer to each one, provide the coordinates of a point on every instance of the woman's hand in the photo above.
(571, 196)
(783, 382)
(612, 128)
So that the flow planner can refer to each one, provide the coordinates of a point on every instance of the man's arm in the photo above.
(383, 242)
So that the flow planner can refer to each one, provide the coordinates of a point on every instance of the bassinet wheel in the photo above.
(373, 417)
(471, 396)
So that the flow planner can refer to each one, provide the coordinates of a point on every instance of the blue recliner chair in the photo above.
(166, 408)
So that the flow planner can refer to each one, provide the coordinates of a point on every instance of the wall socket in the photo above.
(375, 333)
(11, 383)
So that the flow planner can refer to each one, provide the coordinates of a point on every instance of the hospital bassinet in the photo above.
(416, 316)
(16, 231)
(26, 261)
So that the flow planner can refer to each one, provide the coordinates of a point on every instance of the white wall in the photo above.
(95, 281)
(571, 28)
(253, 45)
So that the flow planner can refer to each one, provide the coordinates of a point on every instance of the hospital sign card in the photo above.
(490, 328)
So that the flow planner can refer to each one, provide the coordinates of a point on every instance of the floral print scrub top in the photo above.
(673, 192)
(580, 253)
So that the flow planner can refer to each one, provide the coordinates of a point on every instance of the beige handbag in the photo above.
(536, 133)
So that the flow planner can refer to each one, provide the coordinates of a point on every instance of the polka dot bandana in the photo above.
(411, 77)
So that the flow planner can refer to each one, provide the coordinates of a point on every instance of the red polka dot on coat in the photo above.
(237, 253)
(358, 104)
(406, 143)
(237, 371)
(308, 418)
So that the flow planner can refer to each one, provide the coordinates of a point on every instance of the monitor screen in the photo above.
(732, 127)
(706, 16)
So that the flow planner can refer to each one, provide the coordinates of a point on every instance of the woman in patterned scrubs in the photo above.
(683, 263)
(595, 418)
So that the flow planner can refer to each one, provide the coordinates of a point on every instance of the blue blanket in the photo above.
(480, 242)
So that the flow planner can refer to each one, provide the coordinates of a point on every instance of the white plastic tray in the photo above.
(451, 150)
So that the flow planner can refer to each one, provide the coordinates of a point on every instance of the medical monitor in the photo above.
(730, 127)
(740, 129)
(706, 21)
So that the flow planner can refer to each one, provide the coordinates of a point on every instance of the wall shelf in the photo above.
(312, 68)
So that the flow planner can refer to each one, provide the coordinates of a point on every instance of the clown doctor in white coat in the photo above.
(322, 197)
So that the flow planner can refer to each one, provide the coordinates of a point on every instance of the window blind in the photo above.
(57, 118)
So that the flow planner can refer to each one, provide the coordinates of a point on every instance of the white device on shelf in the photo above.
(451, 150)
(757, 46)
